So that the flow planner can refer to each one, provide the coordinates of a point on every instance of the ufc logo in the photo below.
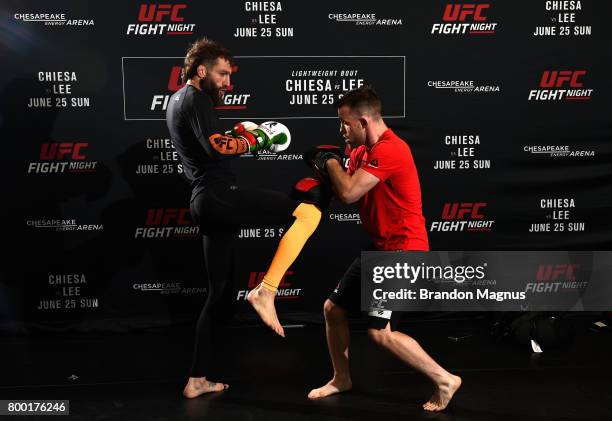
(458, 211)
(157, 12)
(161, 216)
(52, 151)
(460, 12)
(554, 272)
(556, 79)
(255, 279)
(175, 81)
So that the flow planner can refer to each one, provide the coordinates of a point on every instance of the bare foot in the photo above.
(262, 301)
(443, 394)
(197, 386)
(331, 388)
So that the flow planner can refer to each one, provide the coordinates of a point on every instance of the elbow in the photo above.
(347, 197)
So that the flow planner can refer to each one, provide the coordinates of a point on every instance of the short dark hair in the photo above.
(206, 52)
(363, 100)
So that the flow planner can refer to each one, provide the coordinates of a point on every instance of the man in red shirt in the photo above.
(383, 180)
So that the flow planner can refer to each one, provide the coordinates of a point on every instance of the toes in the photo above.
(217, 387)
(317, 393)
(221, 387)
(432, 406)
(277, 328)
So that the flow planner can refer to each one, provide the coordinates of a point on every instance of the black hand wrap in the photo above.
(319, 155)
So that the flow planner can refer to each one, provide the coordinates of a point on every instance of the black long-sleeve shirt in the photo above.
(191, 120)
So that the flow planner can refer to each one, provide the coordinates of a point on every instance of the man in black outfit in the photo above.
(220, 205)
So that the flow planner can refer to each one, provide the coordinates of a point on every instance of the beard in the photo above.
(215, 93)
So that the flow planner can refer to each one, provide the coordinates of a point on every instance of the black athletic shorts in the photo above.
(348, 296)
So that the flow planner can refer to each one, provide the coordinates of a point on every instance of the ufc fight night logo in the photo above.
(463, 216)
(556, 278)
(167, 223)
(560, 85)
(161, 19)
(465, 19)
(65, 157)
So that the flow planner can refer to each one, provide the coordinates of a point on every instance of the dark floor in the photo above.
(141, 375)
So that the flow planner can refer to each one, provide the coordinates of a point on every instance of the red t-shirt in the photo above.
(391, 211)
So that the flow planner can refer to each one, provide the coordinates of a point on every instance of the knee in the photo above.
(333, 312)
(381, 337)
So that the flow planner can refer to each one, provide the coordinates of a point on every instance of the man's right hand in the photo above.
(318, 156)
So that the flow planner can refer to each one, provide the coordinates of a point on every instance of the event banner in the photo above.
(486, 281)
(505, 107)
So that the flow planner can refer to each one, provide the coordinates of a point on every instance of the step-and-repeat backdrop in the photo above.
(505, 105)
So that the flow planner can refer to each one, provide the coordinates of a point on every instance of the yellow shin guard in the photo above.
(307, 218)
